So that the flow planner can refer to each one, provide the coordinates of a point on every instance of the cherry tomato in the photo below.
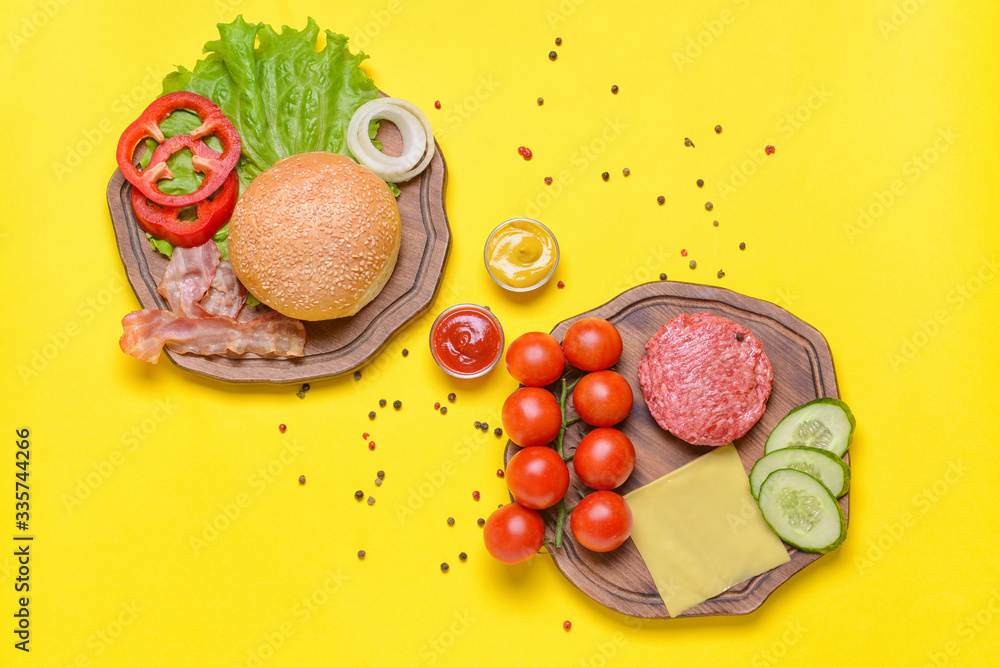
(513, 533)
(602, 398)
(535, 359)
(602, 521)
(531, 416)
(537, 477)
(592, 344)
(604, 459)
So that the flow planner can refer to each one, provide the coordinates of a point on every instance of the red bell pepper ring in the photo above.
(215, 167)
(165, 223)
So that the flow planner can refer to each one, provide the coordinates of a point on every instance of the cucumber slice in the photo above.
(802, 511)
(824, 465)
(826, 423)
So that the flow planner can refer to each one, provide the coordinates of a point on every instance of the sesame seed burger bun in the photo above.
(316, 236)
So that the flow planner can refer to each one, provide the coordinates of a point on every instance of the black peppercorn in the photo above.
(540, 101)
(558, 41)
(382, 403)
(357, 375)
(451, 521)
(614, 90)
(708, 206)
(406, 352)
(480, 522)
(700, 183)
(626, 171)
(371, 415)
(605, 175)
(660, 200)
(743, 246)
(663, 276)
(718, 129)
(359, 495)
(451, 398)
(498, 431)
(397, 404)
(553, 55)
(462, 556)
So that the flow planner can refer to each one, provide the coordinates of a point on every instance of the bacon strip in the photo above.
(188, 277)
(145, 332)
(226, 295)
(205, 296)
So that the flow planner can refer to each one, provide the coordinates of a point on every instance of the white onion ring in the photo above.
(418, 139)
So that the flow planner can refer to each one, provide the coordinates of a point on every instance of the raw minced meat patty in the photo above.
(705, 378)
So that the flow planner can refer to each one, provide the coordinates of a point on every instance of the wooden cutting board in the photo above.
(803, 371)
(332, 346)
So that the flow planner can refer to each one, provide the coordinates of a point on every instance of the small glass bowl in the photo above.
(541, 281)
(485, 312)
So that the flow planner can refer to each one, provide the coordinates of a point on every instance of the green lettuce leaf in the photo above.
(282, 94)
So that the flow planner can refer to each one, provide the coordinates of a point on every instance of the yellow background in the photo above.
(874, 221)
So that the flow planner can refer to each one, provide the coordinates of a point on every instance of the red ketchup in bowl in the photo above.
(466, 341)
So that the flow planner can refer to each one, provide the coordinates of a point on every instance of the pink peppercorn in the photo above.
(475, 495)
(567, 625)
(371, 445)
(769, 150)
(282, 428)
(524, 152)
(437, 104)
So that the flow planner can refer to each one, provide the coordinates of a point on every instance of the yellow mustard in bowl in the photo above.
(521, 254)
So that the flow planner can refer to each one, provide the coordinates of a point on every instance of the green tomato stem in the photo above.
(560, 523)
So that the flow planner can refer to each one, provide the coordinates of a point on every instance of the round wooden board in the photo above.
(332, 346)
(803, 370)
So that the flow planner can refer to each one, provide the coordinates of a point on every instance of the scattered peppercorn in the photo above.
(302, 479)
(406, 352)
(444, 567)
(663, 276)
(397, 404)
(718, 129)
(524, 152)
(739, 336)
(540, 101)
(463, 556)
(300, 393)
(437, 405)
(480, 522)
(560, 284)
(437, 104)
(708, 206)
(548, 180)
(498, 431)
(357, 375)
(614, 90)
(371, 500)
(365, 435)
(743, 246)
(478, 424)
(660, 200)
(378, 482)
(475, 495)
(700, 183)
(500, 473)
(626, 171)
(688, 142)
(382, 403)
(451, 521)
(371, 445)
(684, 253)
(282, 428)
(358, 495)
(444, 409)
(605, 175)
(485, 426)
(371, 415)
(451, 398)
(768, 150)
(720, 274)
(715, 223)
(558, 41)
(361, 554)
(380, 474)
(553, 55)
(692, 264)
(567, 625)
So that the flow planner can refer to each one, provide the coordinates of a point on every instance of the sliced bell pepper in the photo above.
(216, 167)
(165, 222)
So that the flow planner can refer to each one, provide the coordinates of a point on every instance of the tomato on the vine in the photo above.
(602, 398)
(531, 416)
(602, 521)
(604, 459)
(537, 477)
(592, 344)
(535, 359)
(513, 533)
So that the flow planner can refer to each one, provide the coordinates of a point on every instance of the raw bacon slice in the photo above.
(188, 277)
(226, 295)
(145, 332)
